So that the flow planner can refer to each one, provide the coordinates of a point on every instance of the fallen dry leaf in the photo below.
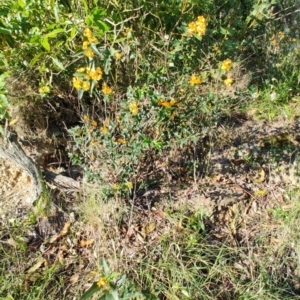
(10, 242)
(261, 175)
(63, 232)
(74, 278)
(38, 264)
(66, 228)
(150, 228)
(85, 243)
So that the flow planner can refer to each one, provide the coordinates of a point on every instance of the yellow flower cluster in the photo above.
(81, 84)
(121, 141)
(116, 186)
(87, 33)
(106, 90)
(133, 108)
(91, 74)
(127, 31)
(94, 74)
(198, 27)
(195, 80)
(129, 184)
(102, 282)
(118, 55)
(166, 104)
(104, 130)
(228, 81)
(226, 64)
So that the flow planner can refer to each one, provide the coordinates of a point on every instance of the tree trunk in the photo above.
(12, 151)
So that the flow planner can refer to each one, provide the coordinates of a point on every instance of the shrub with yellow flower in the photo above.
(106, 90)
(226, 64)
(195, 80)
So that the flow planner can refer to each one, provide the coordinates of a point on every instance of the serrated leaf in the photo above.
(95, 49)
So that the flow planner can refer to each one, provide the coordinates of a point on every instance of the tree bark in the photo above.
(11, 150)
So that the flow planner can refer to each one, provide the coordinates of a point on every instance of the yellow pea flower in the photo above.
(228, 81)
(116, 186)
(129, 184)
(77, 83)
(133, 108)
(85, 45)
(106, 90)
(226, 64)
(104, 130)
(195, 80)
(102, 282)
(89, 53)
(86, 85)
(87, 32)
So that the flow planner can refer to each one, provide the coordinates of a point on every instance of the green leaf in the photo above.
(113, 295)
(93, 46)
(58, 63)
(86, 8)
(54, 33)
(45, 43)
(4, 30)
(101, 25)
(80, 94)
(73, 33)
(22, 3)
(90, 292)
(35, 59)
(105, 266)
